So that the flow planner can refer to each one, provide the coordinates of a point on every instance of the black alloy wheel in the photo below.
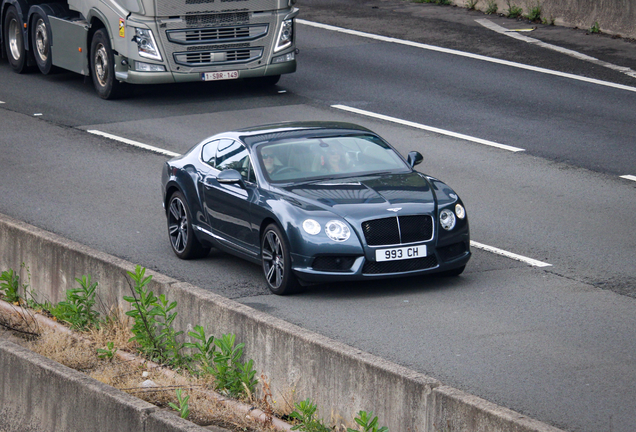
(103, 67)
(14, 41)
(277, 262)
(182, 239)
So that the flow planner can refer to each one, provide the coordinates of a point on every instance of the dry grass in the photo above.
(81, 354)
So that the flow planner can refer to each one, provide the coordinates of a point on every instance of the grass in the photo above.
(127, 376)
(491, 7)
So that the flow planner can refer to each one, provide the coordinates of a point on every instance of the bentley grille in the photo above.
(398, 230)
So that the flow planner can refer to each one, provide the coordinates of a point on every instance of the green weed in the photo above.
(491, 7)
(77, 309)
(153, 319)
(513, 11)
(368, 423)
(595, 28)
(10, 284)
(232, 376)
(184, 410)
(535, 13)
(304, 413)
(108, 352)
(471, 4)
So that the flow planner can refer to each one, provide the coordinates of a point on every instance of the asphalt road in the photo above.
(554, 343)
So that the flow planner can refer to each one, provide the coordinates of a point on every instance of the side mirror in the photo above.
(229, 176)
(414, 158)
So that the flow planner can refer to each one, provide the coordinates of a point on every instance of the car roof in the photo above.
(276, 131)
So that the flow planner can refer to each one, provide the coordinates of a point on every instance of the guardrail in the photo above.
(340, 379)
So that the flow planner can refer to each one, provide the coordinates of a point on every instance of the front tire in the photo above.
(103, 67)
(184, 243)
(277, 262)
(14, 41)
(41, 37)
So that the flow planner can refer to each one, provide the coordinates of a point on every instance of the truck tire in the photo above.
(103, 67)
(14, 41)
(41, 37)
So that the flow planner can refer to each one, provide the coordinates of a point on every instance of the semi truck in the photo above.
(123, 42)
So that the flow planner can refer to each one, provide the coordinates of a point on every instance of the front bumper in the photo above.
(439, 259)
(135, 77)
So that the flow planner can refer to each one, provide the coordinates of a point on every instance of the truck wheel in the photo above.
(14, 41)
(103, 67)
(41, 37)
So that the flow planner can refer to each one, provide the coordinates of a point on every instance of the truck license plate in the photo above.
(216, 76)
(400, 253)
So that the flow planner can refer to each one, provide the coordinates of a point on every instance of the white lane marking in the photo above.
(1, 102)
(629, 177)
(465, 54)
(502, 30)
(134, 143)
(428, 128)
(507, 254)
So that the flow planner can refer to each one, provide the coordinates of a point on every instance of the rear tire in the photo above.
(41, 37)
(103, 67)
(184, 243)
(13, 38)
(277, 262)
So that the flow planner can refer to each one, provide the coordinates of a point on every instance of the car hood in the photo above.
(361, 197)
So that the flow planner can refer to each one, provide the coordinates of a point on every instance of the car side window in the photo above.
(208, 152)
(231, 154)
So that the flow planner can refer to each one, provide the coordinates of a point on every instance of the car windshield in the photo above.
(297, 160)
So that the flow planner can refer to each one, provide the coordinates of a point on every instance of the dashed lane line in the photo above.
(511, 255)
(427, 128)
(134, 143)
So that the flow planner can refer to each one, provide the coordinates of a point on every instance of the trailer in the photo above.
(122, 42)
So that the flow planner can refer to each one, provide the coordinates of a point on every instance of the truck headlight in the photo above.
(286, 35)
(146, 44)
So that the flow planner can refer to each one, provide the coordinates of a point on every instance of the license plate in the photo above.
(400, 253)
(216, 76)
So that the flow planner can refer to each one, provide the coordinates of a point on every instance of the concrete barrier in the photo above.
(340, 379)
(617, 17)
(40, 395)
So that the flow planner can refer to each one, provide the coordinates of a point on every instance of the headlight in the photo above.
(447, 219)
(337, 230)
(146, 44)
(311, 227)
(285, 36)
(460, 211)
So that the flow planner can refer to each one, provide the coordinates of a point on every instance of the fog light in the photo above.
(147, 67)
(284, 58)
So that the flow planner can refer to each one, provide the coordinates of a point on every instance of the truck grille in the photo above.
(205, 58)
(219, 19)
(398, 230)
(217, 34)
